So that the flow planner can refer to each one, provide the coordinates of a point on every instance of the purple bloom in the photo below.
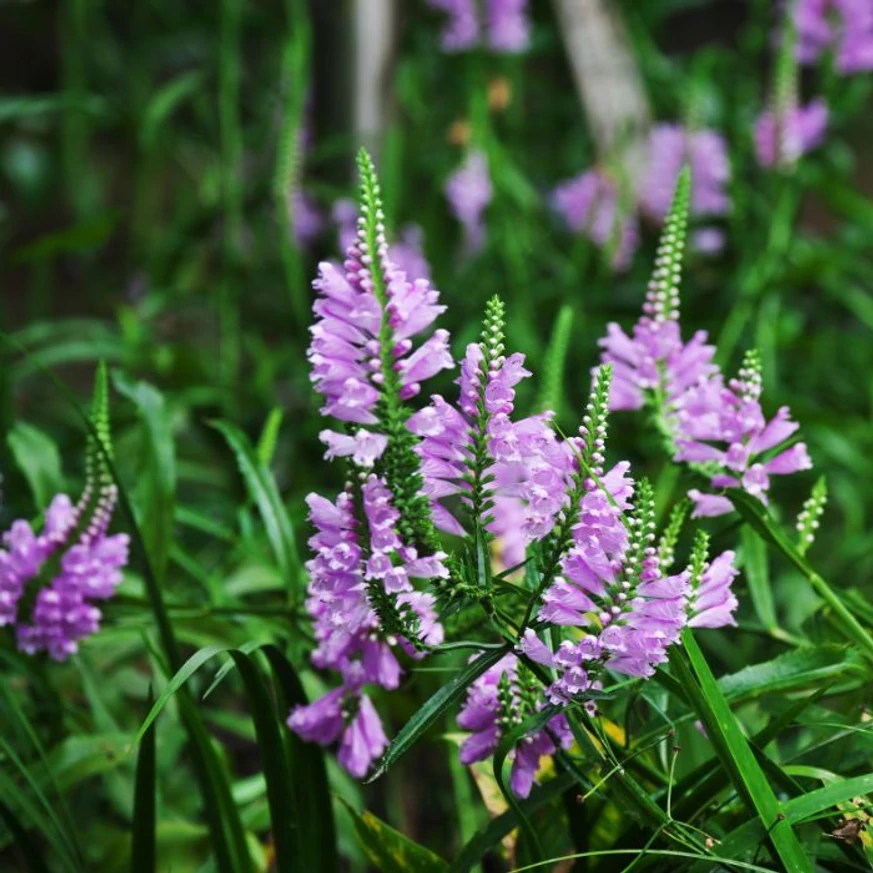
(505, 27)
(347, 629)
(525, 455)
(713, 603)
(508, 26)
(89, 570)
(725, 428)
(469, 192)
(407, 252)
(346, 351)
(800, 130)
(654, 358)
(461, 31)
(497, 701)
(591, 206)
(705, 151)
(25, 553)
(307, 222)
(631, 613)
(843, 25)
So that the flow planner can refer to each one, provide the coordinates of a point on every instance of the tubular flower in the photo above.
(469, 192)
(504, 27)
(843, 25)
(724, 430)
(357, 564)
(499, 700)
(591, 205)
(367, 314)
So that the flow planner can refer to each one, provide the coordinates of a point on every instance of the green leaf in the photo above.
(143, 850)
(23, 842)
(269, 435)
(309, 776)
(277, 770)
(801, 668)
(733, 749)
(552, 392)
(742, 840)
(491, 834)
(39, 460)
(164, 102)
(433, 708)
(182, 675)
(757, 572)
(262, 489)
(41, 811)
(389, 851)
(158, 485)
(758, 517)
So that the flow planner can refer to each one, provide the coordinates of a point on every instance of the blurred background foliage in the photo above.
(143, 153)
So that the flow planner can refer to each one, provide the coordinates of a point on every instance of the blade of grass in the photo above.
(732, 747)
(262, 489)
(277, 770)
(143, 830)
(28, 848)
(309, 775)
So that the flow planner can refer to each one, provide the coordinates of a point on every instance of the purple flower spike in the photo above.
(497, 701)
(347, 629)
(350, 343)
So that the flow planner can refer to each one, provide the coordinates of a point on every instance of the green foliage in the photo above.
(148, 222)
(389, 850)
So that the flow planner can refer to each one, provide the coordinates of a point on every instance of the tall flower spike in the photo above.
(363, 357)
(90, 563)
(667, 545)
(654, 363)
(786, 130)
(808, 520)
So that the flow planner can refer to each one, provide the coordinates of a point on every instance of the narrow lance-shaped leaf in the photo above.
(694, 673)
(431, 711)
(262, 489)
(143, 826)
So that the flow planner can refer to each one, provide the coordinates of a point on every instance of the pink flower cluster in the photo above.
(719, 426)
(504, 27)
(87, 569)
(349, 558)
(844, 26)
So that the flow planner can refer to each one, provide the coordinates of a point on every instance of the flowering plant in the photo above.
(463, 512)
